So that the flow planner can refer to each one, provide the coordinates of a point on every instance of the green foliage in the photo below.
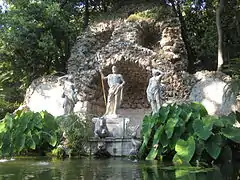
(159, 13)
(26, 131)
(233, 67)
(35, 39)
(77, 130)
(6, 107)
(185, 133)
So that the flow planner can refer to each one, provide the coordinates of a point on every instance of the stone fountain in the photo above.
(110, 129)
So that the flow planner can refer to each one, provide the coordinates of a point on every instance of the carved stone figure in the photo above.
(102, 131)
(68, 105)
(115, 93)
(135, 145)
(64, 145)
(69, 95)
(154, 90)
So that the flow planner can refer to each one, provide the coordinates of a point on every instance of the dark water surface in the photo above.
(109, 169)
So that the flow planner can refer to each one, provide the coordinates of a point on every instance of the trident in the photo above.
(103, 88)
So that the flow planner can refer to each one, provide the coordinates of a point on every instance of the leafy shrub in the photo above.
(186, 133)
(26, 131)
(77, 130)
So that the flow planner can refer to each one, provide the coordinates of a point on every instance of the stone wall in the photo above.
(131, 47)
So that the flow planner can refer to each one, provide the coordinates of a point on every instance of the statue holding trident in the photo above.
(154, 90)
(115, 93)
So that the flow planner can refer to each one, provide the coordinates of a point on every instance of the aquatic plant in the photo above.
(25, 131)
(186, 133)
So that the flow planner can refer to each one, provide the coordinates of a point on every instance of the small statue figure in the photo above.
(135, 145)
(64, 147)
(115, 92)
(154, 90)
(69, 95)
(68, 105)
(102, 132)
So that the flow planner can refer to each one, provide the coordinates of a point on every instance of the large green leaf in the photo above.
(147, 127)
(36, 135)
(203, 127)
(148, 123)
(177, 160)
(186, 112)
(198, 107)
(218, 122)
(214, 145)
(229, 120)
(29, 142)
(6, 146)
(175, 111)
(36, 122)
(2, 127)
(9, 121)
(163, 113)
(157, 135)
(23, 120)
(185, 149)
(1, 139)
(169, 128)
(20, 143)
(48, 120)
(154, 150)
(163, 139)
(232, 133)
(178, 131)
(53, 139)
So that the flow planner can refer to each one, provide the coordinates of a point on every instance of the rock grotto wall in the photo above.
(211, 91)
(132, 46)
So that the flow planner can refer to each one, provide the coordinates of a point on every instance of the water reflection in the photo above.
(109, 169)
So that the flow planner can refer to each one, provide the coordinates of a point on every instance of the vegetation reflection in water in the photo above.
(114, 168)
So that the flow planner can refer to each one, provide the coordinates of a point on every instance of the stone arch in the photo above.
(134, 95)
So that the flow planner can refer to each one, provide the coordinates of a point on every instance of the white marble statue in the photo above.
(154, 90)
(69, 94)
(115, 93)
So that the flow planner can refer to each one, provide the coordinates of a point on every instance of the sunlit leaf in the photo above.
(185, 149)
(169, 128)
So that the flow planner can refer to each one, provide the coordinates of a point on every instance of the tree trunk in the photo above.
(104, 5)
(190, 55)
(86, 15)
(220, 34)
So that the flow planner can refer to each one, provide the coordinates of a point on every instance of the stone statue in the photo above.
(115, 92)
(102, 131)
(69, 95)
(64, 145)
(154, 90)
(135, 145)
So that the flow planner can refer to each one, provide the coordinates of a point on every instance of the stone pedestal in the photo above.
(117, 126)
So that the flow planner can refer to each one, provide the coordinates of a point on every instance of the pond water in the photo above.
(109, 169)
